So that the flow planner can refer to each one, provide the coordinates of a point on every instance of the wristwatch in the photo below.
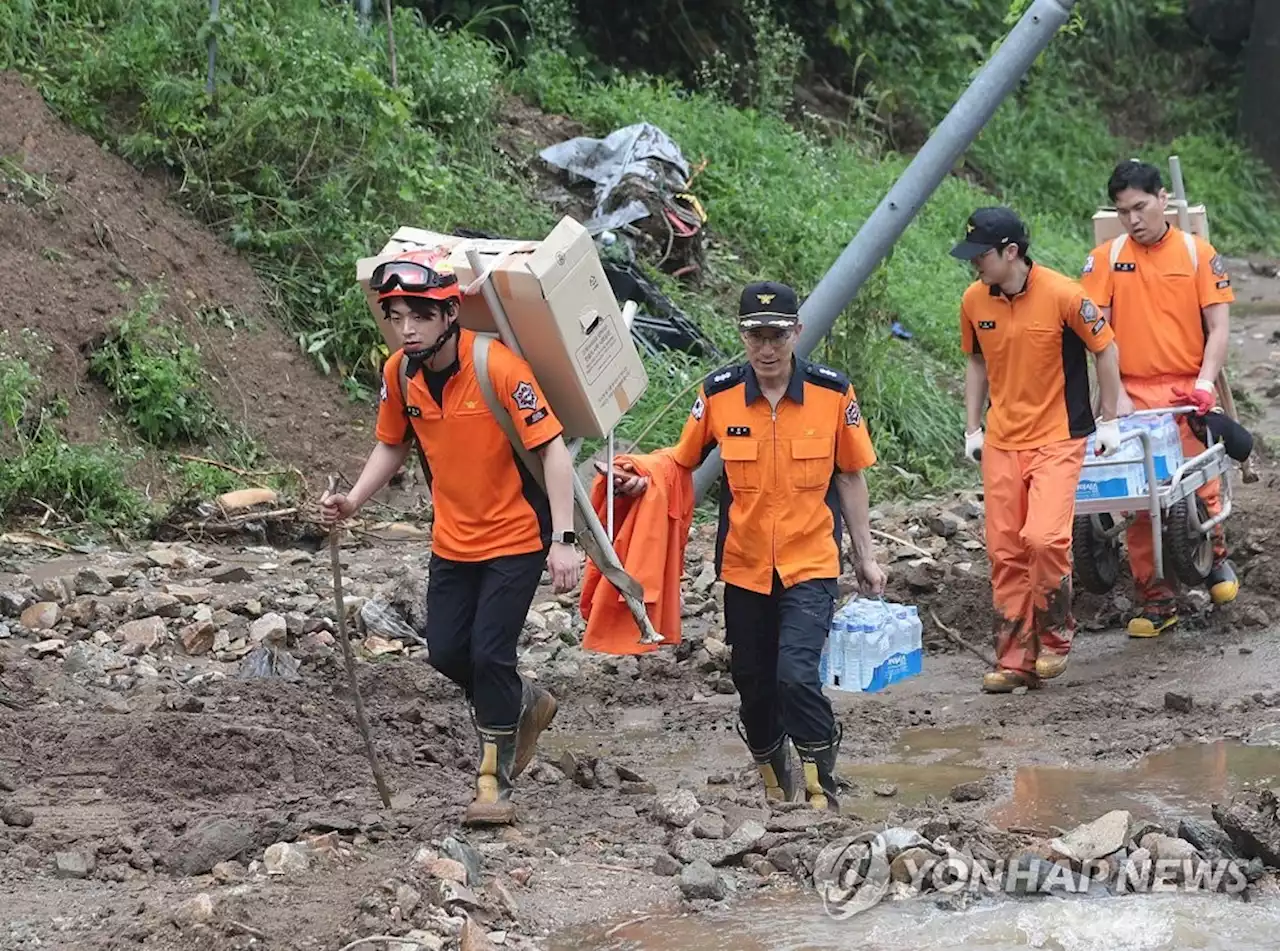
(564, 538)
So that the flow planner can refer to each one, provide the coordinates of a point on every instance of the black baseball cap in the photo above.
(768, 304)
(989, 228)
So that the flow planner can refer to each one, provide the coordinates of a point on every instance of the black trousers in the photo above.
(777, 643)
(475, 612)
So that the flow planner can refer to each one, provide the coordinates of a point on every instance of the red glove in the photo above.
(1201, 399)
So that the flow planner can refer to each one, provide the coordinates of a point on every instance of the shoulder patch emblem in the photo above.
(1088, 310)
(699, 408)
(1088, 265)
(384, 395)
(852, 414)
(1218, 265)
(524, 395)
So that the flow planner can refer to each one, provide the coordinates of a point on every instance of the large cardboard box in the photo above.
(1106, 223)
(561, 309)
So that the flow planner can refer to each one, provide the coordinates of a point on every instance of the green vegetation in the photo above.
(39, 468)
(307, 158)
(156, 378)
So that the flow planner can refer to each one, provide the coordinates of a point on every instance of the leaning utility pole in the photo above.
(926, 172)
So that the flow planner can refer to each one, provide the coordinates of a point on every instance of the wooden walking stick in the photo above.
(349, 656)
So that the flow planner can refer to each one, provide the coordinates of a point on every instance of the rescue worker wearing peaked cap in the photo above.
(1167, 295)
(1026, 330)
(495, 527)
(794, 444)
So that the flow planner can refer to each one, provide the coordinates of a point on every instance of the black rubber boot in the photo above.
(537, 710)
(492, 804)
(818, 764)
(774, 764)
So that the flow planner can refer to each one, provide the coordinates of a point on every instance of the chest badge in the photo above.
(471, 404)
(1126, 266)
(739, 430)
(986, 325)
(413, 411)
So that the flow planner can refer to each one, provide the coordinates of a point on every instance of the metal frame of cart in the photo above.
(1180, 523)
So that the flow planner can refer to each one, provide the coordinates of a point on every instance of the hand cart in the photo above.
(1180, 523)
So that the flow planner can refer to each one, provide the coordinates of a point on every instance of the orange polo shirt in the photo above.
(1034, 346)
(486, 503)
(1156, 297)
(779, 509)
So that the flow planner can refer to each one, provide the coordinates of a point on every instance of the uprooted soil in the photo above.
(78, 250)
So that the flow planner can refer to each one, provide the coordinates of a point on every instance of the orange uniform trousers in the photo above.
(1030, 506)
(1157, 393)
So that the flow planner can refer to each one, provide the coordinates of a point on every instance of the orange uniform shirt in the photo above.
(1155, 296)
(487, 504)
(1034, 346)
(778, 504)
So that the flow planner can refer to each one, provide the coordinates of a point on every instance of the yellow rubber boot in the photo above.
(1007, 681)
(1222, 583)
(1152, 623)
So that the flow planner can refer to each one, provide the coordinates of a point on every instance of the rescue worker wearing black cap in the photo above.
(794, 443)
(1026, 331)
(495, 528)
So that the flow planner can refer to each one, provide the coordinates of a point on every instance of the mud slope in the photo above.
(77, 249)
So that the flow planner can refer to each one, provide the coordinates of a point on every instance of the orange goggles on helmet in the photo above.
(411, 277)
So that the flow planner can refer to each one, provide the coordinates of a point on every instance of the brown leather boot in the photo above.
(492, 804)
(537, 710)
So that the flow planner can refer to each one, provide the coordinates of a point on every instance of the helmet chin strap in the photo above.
(416, 361)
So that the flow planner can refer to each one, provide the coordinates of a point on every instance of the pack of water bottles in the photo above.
(871, 645)
(1124, 475)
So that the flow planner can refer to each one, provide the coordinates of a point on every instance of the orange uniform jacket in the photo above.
(1156, 295)
(650, 535)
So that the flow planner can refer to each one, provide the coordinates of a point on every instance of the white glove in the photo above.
(973, 445)
(1107, 437)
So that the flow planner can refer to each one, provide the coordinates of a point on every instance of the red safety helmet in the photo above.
(415, 274)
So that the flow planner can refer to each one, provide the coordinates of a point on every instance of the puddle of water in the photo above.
(795, 922)
(1167, 785)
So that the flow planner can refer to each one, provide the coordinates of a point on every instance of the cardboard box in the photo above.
(561, 309)
(1106, 223)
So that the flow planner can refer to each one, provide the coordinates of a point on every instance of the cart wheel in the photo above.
(1188, 555)
(1096, 557)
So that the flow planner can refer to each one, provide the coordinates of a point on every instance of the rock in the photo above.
(206, 844)
(1251, 822)
(1178, 702)
(270, 629)
(1135, 871)
(705, 578)
(81, 613)
(676, 809)
(546, 773)
(157, 604)
(708, 825)
(898, 840)
(12, 603)
(448, 870)
(802, 820)
(699, 881)
(885, 790)
(912, 865)
(7, 782)
(286, 857)
(198, 638)
(638, 789)
(785, 857)
(140, 636)
(16, 816)
(73, 865)
(41, 616)
(720, 852)
(578, 770)
(461, 852)
(1208, 839)
(229, 872)
(235, 575)
(188, 596)
(473, 938)
(969, 792)
(946, 524)
(606, 775)
(408, 899)
(1096, 839)
(57, 590)
(666, 865)
(194, 911)
(88, 581)
(46, 648)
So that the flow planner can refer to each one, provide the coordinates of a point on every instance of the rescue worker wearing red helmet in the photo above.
(494, 529)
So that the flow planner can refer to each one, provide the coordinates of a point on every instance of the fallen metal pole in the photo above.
(922, 177)
(595, 541)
